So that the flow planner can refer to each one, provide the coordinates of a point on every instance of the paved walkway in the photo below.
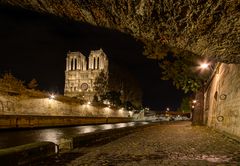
(177, 143)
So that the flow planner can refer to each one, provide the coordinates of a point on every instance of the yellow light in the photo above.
(194, 101)
(52, 96)
(88, 103)
(204, 66)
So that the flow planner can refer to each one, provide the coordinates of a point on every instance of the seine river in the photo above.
(9, 138)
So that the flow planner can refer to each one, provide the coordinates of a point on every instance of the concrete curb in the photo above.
(100, 137)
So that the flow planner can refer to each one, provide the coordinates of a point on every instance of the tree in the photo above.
(32, 84)
(182, 69)
(121, 80)
(113, 97)
(100, 85)
(10, 83)
(185, 105)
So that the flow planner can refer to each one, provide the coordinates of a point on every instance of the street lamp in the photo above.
(204, 65)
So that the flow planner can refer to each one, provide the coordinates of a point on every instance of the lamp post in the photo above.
(198, 103)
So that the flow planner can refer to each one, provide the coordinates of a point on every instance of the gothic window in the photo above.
(75, 64)
(71, 64)
(97, 62)
(94, 63)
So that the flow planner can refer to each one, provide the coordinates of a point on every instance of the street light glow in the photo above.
(52, 96)
(204, 66)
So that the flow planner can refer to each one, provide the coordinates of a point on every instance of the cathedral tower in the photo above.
(80, 75)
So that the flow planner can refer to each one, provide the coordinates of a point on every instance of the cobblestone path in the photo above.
(176, 143)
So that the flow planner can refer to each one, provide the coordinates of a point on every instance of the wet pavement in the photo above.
(171, 143)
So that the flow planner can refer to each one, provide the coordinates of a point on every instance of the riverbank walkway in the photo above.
(172, 143)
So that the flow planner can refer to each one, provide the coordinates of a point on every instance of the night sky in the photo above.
(34, 45)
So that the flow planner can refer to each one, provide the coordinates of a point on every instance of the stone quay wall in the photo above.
(22, 111)
(25, 105)
(222, 100)
(33, 121)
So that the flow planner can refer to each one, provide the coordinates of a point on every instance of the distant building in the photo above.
(81, 73)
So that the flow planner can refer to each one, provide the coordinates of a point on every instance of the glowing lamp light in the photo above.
(204, 66)
(88, 103)
(194, 101)
(52, 96)
(121, 110)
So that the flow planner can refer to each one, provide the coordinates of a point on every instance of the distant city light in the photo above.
(106, 102)
(52, 96)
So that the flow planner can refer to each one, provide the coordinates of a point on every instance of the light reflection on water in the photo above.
(131, 123)
(88, 129)
(144, 123)
(50, 135)
(121, 125)
(19, 137)
(107, 126)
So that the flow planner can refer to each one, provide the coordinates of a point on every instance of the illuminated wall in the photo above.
(222, 100)
(19, 105)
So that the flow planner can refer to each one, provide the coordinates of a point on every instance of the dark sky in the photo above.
(34, 45)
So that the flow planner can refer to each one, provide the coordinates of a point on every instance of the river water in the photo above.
(9, 138)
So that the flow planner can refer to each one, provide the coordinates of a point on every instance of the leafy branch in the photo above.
(182, 69)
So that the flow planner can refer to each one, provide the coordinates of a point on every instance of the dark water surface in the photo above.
(9, 138)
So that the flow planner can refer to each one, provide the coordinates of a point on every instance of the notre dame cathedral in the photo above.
(81, 73)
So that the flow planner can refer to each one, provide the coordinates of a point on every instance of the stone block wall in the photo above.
(35, 121)
(222, 100)
(24, 105)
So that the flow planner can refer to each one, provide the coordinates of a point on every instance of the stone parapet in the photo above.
(25, 154)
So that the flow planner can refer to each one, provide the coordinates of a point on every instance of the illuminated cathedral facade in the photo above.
(81, 73)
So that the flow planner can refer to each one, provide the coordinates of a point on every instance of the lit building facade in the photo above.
(80, 73)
